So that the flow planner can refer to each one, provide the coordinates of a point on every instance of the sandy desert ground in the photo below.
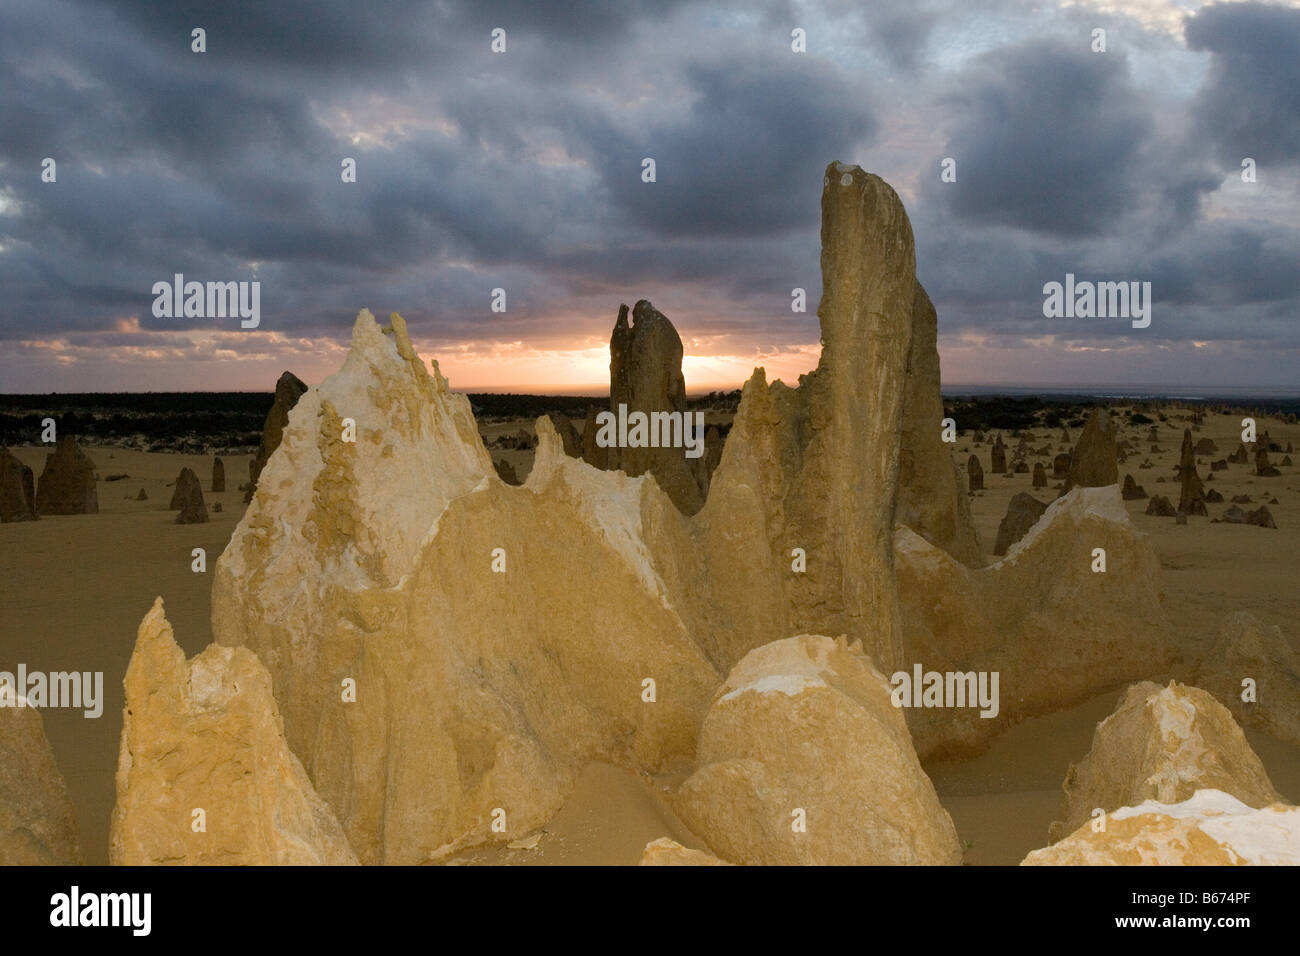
(77, 586)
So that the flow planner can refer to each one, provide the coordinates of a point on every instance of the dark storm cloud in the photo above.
(1044, 139)
(524, 171)
(739, 162)
(1250, 103)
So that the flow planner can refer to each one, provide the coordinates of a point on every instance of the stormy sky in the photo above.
(522, 170)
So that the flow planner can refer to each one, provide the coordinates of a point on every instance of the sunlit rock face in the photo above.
(448, 651)
(1056, 630)
(37, 826)
(1210, 828)
(204, 775)
(804, 759)
(1163, 743)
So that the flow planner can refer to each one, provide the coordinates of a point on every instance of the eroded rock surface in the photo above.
(804, 759)
(205, 735)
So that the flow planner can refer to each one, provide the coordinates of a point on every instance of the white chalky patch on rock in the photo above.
(788, 684)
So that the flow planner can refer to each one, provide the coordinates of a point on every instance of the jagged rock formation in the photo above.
(403, 589)
(142, 495)
(568, 434)
(803, 758)
(645, 375)
(1208, 829)
(288, 390)
(1061, 465)
(1206, 446)
(188, 499)
(402, 563)
(1162, 743)
(37, 827)
(974, 473)
(67, 485)
(1253, 670)
(205, 734)
(1191, 494)
(1132, 491)
(592, 452)
(1023, 510)
(1094, 462)
(1055, 631)
(17, 489)
(668, 852)
(218, 475)
(930, 497)
(998, 457)
(1040, 476)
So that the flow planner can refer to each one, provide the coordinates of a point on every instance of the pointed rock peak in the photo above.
(156, 649)
(403, 341)
(622, 316)
(548, 456)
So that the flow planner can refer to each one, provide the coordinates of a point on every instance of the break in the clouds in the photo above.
(523, 171)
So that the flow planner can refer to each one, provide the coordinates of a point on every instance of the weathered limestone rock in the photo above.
(1023, 511)
(206, 734)
(592, 452)
(418, 572)
(1161, 507)
(1061, 465)
(998, 457)
(17, 489)
(816, 468)
(67, 485)
(188, 498)
(1040, 476)
(930, 497)
(645, 375)
(1162, 744)
(668, 852)
(1208, 829)
(568, 434)
(1056, 632)
(804, 759)
(1132, 491)
(974, 473)
(399, 562)
(1191, 495)
(142, 495)
(1206, 446)
(1094, 463)
(218, 475)
(1253, 670)
(37, 827)
(288, 390)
